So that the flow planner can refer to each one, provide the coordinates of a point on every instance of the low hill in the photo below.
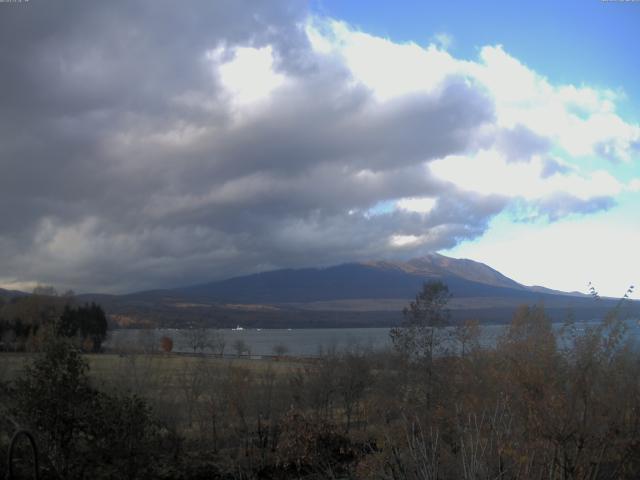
(8, 294)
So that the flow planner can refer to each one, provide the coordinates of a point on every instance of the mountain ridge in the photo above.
(376, 279)
(357, 294)
(354, 294)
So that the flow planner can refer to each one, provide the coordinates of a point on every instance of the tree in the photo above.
(84, 433)
(198, 339)
(125, 437)
(353, 377)
(89, 322)
(45, 290)
(241, 347)
(467, 335)
(54, 397)
(217, 342)
(69, 323)
(201, 338)
(23, 316)
(166, 344)
(421, 336)
(94, 325)
(280, 350)
(147, 340)
(424, 318)
(191, 383)
(529, 338)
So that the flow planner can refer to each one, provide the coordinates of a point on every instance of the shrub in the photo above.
(166, 344)
(80, 429)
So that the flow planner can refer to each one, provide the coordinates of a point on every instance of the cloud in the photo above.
(490, 171)
(443, 40)
(580, 120)
(419, 204)
(145, 144)
(596, 249)
(519, 144)
(634, 185)
(239, 74)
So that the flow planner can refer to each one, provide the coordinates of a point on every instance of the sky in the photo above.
(149, 144)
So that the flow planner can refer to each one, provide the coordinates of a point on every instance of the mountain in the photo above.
(8, 294)
(352, 294)
(368, 280)
(436, 265)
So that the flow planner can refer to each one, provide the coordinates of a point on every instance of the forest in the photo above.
(436, 406)
(26, 321)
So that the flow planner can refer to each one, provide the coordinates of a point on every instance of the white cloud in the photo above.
(389, 69)
(404, 240)
(417, 204)
(10, 284)
(542, 117)
(489, 172)
(443, 40)
(565, 255)
(634, 185)
(579, 119)
(250, 75)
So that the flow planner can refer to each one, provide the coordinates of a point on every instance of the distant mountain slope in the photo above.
(346, 281)
(374, 280)
(11, 293)
(467, 269)
(362, 294)
(435, 265)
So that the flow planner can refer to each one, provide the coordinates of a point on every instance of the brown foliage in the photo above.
(166, 344)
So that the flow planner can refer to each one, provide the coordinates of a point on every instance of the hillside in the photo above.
(8, 294)
(352, 294)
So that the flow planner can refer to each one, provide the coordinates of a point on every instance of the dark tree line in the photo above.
(27, 321)
(89, 322)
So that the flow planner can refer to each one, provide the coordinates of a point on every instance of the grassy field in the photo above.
(179, 388)
(135, 371)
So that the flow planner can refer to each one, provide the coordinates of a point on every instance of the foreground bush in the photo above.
(82, 432)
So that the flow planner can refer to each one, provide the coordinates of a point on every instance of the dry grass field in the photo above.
(162, 371)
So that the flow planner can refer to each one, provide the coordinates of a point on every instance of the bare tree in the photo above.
(197, 339)
(467, 335)
(280, 350)
(241, 347)
(217, 342)
(212, 409)
(353, 377)
(191, 382)
(147, 340)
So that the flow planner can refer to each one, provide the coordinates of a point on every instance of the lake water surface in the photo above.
(298, 342)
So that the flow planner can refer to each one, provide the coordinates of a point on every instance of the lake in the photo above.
(298, 342)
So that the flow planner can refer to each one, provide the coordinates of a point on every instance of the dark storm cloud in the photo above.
(123, 165)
